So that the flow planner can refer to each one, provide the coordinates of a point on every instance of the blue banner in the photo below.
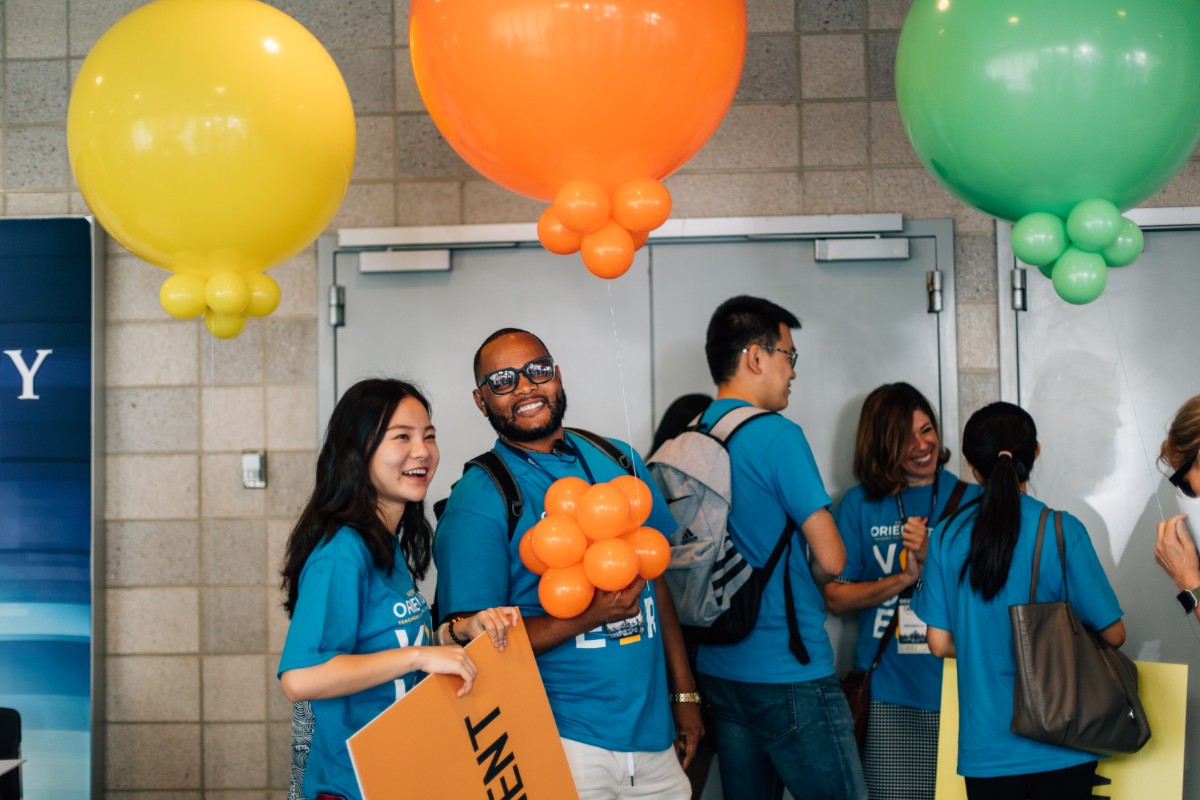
(46, 439)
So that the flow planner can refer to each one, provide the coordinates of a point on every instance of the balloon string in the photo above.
(1112, 326)
(620, 372)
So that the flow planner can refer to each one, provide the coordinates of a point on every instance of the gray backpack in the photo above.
(717, 592)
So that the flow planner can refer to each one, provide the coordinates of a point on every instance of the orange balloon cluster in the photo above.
(606, 230)
(592, 537)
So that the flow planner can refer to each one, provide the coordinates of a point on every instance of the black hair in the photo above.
(738, 323)
(478, 360)
(683, 409)
(344, 495)
(1000, 442)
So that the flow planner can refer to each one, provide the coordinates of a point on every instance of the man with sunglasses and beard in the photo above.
(615, 674)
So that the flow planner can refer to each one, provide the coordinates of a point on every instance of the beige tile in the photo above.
(297, 279)
(889, 142)
(36, 92)
(235, 688)
(235, 757)
(770, 72)
(366, 205)
(832, 65)
(771, 16)
(753, 137)
(291, 483)
(881, 63)
(158, 553)
(837, 191)
(91, 19)
(408, 94)
(35, 29)
(368, 75)
(735, 194)
(1181, 191)
(151, 353)
(222, 494)
(152, 756)
(423, 153)
(975, 268)
(234, 552)
(176, 795)
(978, 345)
(829, 15)
(153, 689)
(131, 288)
(432, 202)
(887, 13)
(915, 194)
(153, 621)
(292, 418)
(976, 390)
(36, 204)
(487, 202)
(155, 420)
(232, 419)
(835, 134)
(232, 362)
(35, 159)
(279, 754)
(291, 348)
(150, 487)
(346, 24)
(277, 624)
(375, 158)
(234, 620)
(278, 531)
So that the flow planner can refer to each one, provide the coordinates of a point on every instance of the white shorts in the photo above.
(609, 774)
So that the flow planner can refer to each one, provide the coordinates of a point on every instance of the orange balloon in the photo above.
(641, 204)
(639, 238)
(556, 237)
(582, 205)
(565, 592)
(528, 558)
(557, 541)
(535, 93)
(640, 498)
(610, 564)
(603, 511)
(563, 495)
(608, 252)
(653, 551)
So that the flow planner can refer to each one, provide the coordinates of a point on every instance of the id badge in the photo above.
(910, 632)
(634, 626)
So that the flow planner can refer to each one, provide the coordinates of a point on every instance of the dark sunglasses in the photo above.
(1179, 479)
(504, 381)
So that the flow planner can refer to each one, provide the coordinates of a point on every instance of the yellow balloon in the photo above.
(182, 295)
(264, 294)
(211, 136)
(227, 293)
(224, 326)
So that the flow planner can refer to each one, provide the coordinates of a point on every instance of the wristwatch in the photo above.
(1189, 599)
(686, 697)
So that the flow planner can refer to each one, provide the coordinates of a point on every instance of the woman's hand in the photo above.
(446, 660)
(1176, 553)
(495, 622)
(915, 535)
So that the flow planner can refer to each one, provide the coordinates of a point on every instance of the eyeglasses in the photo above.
(1179, 479)
(791, 354)
(504, 381)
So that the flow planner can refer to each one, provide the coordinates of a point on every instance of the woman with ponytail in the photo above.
(980, 562)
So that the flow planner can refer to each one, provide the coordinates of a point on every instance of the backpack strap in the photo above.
(795, 643)
(732, 421)
(605, 445)
(952, 504)
(510, 494)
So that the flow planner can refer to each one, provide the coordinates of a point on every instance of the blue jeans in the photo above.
(772, 735)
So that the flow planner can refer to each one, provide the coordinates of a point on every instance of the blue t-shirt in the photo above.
(609, 693)
(873, 533)
(348, 605)
(983, 634)
(774, 475)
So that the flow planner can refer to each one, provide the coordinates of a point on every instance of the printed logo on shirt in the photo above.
(893, 531)
(598, 636)
(414, 607)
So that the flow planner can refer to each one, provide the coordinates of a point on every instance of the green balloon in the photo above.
(1092, 225)
(1079, 276)
(1038, 238)
(1128, 244)
(1031, 105)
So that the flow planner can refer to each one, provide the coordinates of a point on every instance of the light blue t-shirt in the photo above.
(609, 693)
(983, 634)
(348, 605)
(873, 533)
(774, 475)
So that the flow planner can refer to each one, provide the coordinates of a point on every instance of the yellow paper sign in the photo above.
(1154, 771)
(499, 742)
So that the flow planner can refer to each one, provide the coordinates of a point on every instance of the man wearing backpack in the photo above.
(780, 714)
(616, 673)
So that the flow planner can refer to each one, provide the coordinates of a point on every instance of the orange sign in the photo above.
(499, 742)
